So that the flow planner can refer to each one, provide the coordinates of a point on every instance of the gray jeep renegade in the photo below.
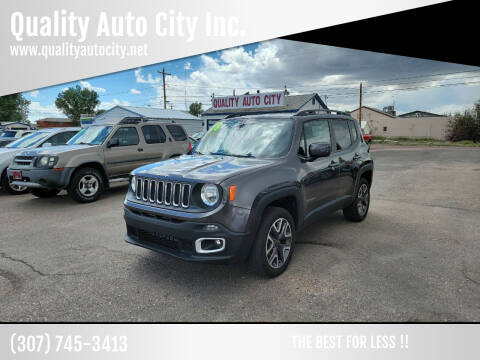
(252, 182)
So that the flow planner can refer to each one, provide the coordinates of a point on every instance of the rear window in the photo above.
(353, 131)
(177, 132)
(342, 134)
(153, 134)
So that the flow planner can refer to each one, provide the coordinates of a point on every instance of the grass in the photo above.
(421, 141)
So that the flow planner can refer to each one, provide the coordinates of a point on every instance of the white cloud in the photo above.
(38, 111)
(34, 93)
(87, 85)
(135, 91)
(140, 78)
(187, 66)
(105, 105)
(331, 71)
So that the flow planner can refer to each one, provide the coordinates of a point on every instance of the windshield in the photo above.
(260, 138)
(9, 133)
(28, 141)
(92, 135)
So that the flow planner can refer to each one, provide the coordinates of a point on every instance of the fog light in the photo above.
(209, 245)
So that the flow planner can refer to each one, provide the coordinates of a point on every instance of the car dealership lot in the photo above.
(415, 258)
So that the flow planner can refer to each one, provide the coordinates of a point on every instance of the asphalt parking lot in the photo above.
(415, 258)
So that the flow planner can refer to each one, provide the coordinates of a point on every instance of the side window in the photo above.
(177, 132)
(353, 131)
(126, 136)
(61, 138)
(153, 134)
(342, 134)
(316, 131)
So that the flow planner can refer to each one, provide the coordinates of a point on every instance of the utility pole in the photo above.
(360, 108)
(164, 90)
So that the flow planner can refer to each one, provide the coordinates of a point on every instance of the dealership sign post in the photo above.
(249, 101)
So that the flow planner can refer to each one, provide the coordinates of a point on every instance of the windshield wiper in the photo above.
(249, 155)
(83, 143)
(220, 153)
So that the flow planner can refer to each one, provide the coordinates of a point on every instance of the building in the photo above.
(419, 113)
(192, 124)
(53, 123)
(14, 125)
(415, 124)
(290, 104)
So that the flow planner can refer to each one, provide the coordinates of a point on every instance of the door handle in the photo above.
(139, 149)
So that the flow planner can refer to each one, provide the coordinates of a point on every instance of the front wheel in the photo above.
(274, 243)
(86, 185)
(13, 189)
(358, 210)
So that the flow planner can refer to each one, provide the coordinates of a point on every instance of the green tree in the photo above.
(466, 125)
(195, 108)
(13, 107)
(76, 101)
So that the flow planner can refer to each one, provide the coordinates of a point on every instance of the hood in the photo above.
(206, 168)
(8, 153)
(56, 150)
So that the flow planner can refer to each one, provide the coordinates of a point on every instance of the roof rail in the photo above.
(318, 111)
(131, 120)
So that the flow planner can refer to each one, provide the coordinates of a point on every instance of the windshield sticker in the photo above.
(217, 126)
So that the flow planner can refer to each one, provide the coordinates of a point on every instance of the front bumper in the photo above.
(42, 178)
(175, 237)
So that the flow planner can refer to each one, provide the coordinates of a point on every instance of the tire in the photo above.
(358, 210)
(262, 258)
(86, 185)
(43, 193)
(12, 189)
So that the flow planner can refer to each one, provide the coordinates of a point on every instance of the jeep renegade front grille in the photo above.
(163, 192)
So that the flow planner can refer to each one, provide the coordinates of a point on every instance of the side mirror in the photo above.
(113, 143)
(319, 149)
(46, 144)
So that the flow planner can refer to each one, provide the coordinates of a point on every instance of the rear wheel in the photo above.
(45, 193)
(358, 210)
(12, 189)
(86, 185)
(274, 243)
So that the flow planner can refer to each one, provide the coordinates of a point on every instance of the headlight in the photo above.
(133, 184)
(47, 161)
(209, 194)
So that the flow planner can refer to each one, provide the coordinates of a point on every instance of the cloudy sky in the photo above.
(335, 73)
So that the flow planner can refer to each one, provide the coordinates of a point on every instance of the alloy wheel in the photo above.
(88, 185)
(363, 198)
(279, 242)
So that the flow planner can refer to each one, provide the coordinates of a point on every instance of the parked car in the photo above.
(252, 183)
(9, 136)
(96, 156)
(367, 137)
(38, 139)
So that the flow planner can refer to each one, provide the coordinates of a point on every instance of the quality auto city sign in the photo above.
(259, 100)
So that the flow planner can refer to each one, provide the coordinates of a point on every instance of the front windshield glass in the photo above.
(260, 138)
(92, 135)
(28, 140)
